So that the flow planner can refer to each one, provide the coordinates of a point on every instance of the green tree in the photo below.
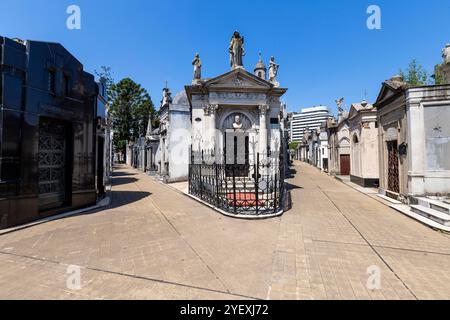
(415, 75)
(130, 107)
(438, 77)
(294, 145)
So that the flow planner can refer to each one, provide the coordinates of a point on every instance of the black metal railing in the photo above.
(254, 188)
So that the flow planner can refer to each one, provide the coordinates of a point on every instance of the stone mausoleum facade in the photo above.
(238, 95)
(225, 135)
(364, 145)
(414, 140)
(237, 109)
(54, 133)
(238, 136)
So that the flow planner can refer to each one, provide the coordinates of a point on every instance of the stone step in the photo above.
(435, 204)
(389, 199)
(406, 210)
(432, 214)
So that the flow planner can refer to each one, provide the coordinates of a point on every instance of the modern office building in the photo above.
(310, 118)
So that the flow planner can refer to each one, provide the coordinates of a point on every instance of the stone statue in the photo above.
(273, 71)
(167, 99)
(236, 50)
(237, 125)
(446, 53)
(197, 63)
(339, 104)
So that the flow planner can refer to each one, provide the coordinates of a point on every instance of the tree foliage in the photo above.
(130, 107)
(415, 75)
(294, 145)
(106, 74)
(438, 77)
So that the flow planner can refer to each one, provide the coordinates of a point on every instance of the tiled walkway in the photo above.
(155, 243)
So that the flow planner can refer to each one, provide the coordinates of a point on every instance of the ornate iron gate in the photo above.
(52, 164)
(259, 192)
(393, 172)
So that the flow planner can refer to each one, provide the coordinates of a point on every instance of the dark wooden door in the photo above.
(345, 165)
(393, 176)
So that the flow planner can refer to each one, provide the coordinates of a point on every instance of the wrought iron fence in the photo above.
(253, 188)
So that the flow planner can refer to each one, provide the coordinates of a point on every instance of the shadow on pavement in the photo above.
(118, 199)
(119, 173)
(291, 174)
(290, 186)
(123, 198)
(117, 181)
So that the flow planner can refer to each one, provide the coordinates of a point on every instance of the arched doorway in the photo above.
(236, 129)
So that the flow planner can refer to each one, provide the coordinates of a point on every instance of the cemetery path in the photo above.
(156, 243)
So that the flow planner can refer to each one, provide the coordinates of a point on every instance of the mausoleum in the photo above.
(238, 121)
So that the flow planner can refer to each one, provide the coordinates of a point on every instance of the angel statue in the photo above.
(339, 103)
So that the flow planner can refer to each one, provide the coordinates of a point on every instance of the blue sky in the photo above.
(324, 48)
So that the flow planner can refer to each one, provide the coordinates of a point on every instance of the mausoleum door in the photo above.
(393, 167)
(237, 153)
(52, 164)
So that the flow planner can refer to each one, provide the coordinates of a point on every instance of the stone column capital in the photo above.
(263, 109)
(211, 109)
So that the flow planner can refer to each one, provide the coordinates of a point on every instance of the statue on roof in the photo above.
(446, 53)
(236, 50)
(339, 104)
(197, 63)
(273, 71)
(167, 97)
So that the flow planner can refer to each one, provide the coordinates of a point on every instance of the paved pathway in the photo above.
(155, 243)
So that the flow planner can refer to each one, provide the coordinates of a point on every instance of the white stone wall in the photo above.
(428, 115)
(369, 151)
(179, 142)
(364, 147)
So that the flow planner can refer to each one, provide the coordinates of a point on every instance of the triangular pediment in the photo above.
(388, 90)
(385, 93)
(353, 112)
(238, 78)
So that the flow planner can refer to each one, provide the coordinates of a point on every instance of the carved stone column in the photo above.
(263, 109)
(212, 125)
(162, 168)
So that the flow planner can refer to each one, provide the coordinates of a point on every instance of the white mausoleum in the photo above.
(238, 113)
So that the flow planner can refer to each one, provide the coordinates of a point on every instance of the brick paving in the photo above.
(155, 243)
